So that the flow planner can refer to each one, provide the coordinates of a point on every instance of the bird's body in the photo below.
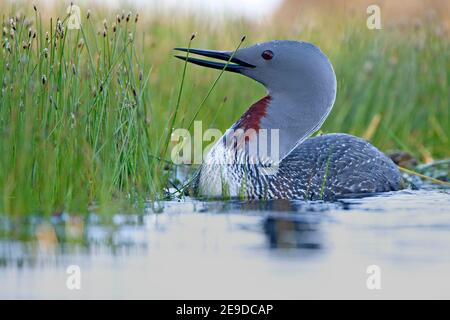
(324, 167)
(268, 152)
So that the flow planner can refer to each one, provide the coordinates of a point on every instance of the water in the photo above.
(209, 250)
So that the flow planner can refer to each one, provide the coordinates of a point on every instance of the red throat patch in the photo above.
(251, 119)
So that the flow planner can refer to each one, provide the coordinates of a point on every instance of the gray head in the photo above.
(277, 64)
(282, 65)
(299, 78)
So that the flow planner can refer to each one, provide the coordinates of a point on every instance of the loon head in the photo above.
(298, 77)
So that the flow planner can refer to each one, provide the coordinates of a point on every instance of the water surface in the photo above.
(236, 249)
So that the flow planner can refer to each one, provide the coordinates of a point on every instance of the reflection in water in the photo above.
(234, 249)
(293, 206)
(38, 241)
(290, 224)
(292, 232)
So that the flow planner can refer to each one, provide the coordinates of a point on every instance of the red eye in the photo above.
(267, 55)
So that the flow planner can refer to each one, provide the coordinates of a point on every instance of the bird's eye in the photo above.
(267, 55)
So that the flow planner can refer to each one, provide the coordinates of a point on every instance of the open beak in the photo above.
(233, 64)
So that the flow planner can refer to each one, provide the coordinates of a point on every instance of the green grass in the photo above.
(325, 175)
(85, 118)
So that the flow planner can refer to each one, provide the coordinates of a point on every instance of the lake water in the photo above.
(209, 250)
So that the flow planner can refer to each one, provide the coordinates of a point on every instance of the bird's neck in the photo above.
(296, 116)
(273, 126)
(251, 119)
(283, 119)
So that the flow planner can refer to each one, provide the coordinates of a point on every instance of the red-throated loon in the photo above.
(267, 153)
